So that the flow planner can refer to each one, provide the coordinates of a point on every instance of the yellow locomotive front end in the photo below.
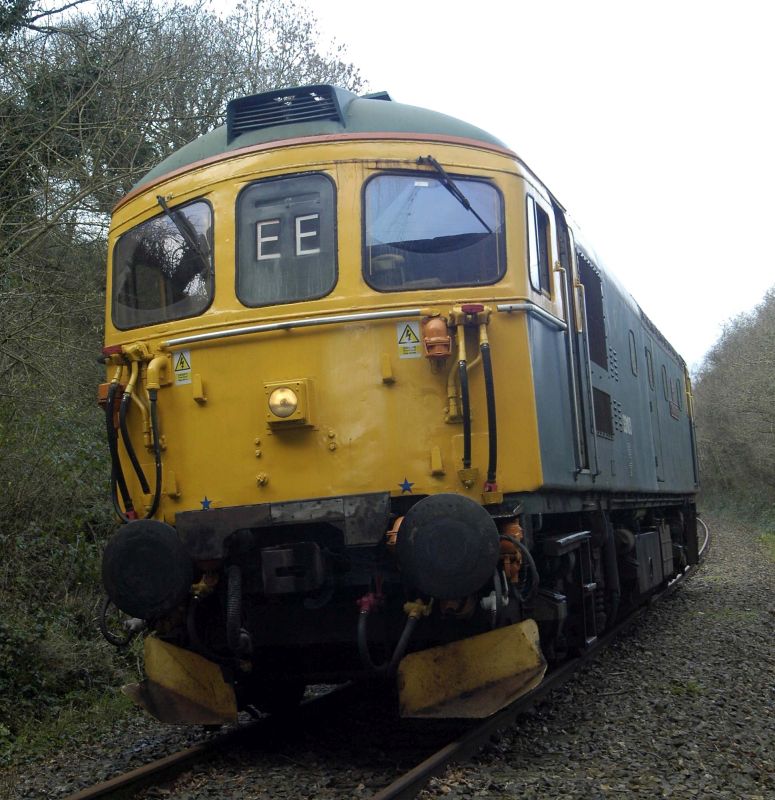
(319, 393)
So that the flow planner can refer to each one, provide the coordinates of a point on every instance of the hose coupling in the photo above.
(372, 601)
(418, 608)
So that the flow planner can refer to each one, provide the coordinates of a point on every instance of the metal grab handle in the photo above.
(590, 396)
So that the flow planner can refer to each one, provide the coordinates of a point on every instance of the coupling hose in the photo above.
(492, 425)
(531, 564)
(156, 452)
(390, 666)
(117, 480)
(466, 409)
(130, 450)
(131, 628)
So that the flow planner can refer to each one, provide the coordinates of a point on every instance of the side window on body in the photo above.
(593, 307)
(538, 246)
(650, 368)
(633, 355)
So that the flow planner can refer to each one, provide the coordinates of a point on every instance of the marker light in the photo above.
(283, 402)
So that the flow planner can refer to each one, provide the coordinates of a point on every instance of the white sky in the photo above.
(652, 123)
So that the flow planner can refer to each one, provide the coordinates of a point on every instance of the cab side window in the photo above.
(538, 246)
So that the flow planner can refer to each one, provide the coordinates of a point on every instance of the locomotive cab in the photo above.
(357, 421)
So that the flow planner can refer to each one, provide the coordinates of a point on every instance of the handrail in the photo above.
(288, 324)
(308, 322)
(590, 390)
(536, 311)
(579, 451)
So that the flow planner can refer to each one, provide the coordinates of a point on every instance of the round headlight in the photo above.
(283, 402)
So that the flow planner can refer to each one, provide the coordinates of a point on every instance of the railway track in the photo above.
(412, 782)
(407, 785)
(164, 769)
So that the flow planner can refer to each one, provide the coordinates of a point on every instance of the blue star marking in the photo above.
(406, 486)
(205, 504)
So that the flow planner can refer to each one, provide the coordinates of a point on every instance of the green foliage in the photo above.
(768, 540)
(735, 416)
(81, 719)
(45, 659)
(13, 14)
(688, 688)
(21, 678)
(89, 101)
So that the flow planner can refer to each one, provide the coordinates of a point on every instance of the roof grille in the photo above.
(282, 107)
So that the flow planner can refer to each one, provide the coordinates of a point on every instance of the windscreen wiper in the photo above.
(186, 229)
(452, 187)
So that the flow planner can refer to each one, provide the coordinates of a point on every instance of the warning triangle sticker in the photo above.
(181, 364)
(409, 336)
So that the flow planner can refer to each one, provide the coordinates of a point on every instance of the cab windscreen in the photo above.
(419, 235)
(163, 268)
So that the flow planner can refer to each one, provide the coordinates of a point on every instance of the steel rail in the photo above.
(707, 537)
(163, 769)
(411, 783)
(130, 782)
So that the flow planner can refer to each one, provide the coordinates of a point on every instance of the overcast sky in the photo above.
(652, 123)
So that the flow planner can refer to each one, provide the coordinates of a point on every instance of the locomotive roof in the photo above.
(308, 111)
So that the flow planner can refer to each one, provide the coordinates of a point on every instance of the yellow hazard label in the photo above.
(408, 339)
(181, 361)
(408, 336)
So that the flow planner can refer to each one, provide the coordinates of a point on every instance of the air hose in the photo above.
(498, 604)
(131, 627)
(530, 561)
(413, 611)
(492, 426)
(130, 450)
(363, 645)
(466, 409)
(156, 452)
(117, 480)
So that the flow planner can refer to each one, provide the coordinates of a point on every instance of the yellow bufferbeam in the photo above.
(182, 687)
(472, 678)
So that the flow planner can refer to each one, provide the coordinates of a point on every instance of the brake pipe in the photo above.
(152, 386)
(414, 611)
(156, 453)
(117, 480)
(143, 405)
(492, 425)
(125, 401)
(153, 372)
(535, 578)
(453, 394)
(462, 368)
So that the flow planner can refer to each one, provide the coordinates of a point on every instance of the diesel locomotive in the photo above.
(375, 408)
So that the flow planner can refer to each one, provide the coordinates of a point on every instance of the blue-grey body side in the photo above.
(652, 447)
